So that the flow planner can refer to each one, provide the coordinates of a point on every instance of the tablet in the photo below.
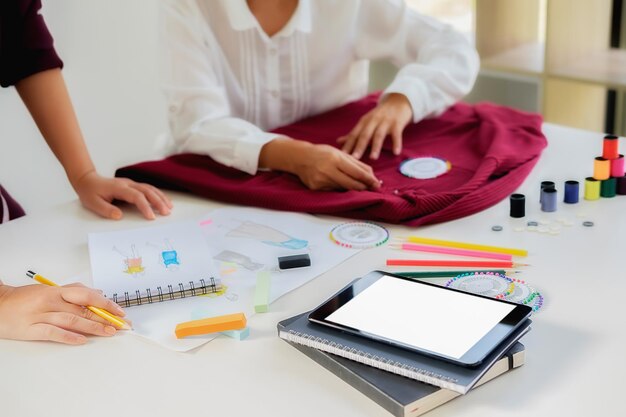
(442, 322)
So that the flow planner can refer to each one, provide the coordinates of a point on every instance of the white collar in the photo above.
(241, 18)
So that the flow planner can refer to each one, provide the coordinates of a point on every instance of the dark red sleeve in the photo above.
(26, 46)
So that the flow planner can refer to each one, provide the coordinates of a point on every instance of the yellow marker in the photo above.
(235, 321)
(111, 318)
(474, 246)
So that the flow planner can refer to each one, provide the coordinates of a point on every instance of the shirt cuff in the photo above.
(247, 151)
(415, 91)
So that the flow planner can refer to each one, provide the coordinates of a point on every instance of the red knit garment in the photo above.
(491, 149)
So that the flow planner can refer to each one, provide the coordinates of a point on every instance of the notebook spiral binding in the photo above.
(371, 360)
(128, 299)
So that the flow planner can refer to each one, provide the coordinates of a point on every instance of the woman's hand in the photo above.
(389, 118)
(319, 167)
(40, 312)
(96, 193)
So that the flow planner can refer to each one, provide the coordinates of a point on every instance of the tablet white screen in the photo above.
(447, 322)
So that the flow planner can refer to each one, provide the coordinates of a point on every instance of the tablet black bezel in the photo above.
(473, 357)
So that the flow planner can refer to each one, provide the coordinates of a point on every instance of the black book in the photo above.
(402, 397)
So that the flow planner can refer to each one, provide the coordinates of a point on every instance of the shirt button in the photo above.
(273, 51)
(173, 108)
(274, 93)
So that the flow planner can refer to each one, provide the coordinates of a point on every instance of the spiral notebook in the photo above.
(152, 264)
(389, 358)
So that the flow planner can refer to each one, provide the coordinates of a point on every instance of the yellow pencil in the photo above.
(474, 246)
(111, 318)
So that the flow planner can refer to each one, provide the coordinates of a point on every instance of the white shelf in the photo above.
(606, 68)
(524, 59)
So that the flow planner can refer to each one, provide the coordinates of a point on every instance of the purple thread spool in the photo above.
(548, 203)
(571, 192)
(621, 185)
(518, 205)
(545, 184)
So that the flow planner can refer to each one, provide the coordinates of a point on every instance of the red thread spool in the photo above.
(610, 147)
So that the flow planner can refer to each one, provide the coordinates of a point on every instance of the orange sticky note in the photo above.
(211, 325)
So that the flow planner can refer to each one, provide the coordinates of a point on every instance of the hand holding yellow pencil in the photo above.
(111, 318)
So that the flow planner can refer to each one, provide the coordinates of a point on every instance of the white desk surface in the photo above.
(574, 357)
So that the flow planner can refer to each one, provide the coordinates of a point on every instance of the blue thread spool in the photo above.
(571, 192)
(548, 201)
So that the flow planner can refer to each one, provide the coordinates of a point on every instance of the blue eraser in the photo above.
(294, 261)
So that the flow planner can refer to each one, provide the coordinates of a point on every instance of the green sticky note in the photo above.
(262, 292)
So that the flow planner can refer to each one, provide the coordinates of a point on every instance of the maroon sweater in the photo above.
(25, 49)
(491, 149)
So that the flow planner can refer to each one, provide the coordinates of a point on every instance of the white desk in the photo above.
(574, 358)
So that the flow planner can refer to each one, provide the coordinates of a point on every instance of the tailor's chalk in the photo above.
(262, 292)
(238, 334)
(294, 261)
(210, 325)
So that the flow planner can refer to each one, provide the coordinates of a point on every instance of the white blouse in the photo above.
(227, 83)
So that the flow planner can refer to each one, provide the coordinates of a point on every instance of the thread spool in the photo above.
(548, 203)
(608, 188)
(592, 188)
(518, 205)
(621, 185)
(601, 168)
(571, 192)
(610, 147)
(545, 184)
(617, 166)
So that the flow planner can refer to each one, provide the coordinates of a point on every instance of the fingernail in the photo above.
(374, 156)
(151, 215)
(116, 214)
(110, 330)
(118, 310)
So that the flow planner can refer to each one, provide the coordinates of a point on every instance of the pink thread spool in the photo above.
(617, 166)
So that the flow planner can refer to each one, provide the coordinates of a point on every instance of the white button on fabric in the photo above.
(173, 108)
(273, 51)
(274, 93)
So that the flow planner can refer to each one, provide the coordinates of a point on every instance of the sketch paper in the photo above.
(233, 244)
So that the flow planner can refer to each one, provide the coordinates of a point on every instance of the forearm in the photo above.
(48, 102)
(282, 154)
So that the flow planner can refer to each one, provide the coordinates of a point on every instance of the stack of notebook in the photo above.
(402, 382)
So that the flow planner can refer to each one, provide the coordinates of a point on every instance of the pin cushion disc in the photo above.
(359, 235)
(490, 284)
(424, 168)
(524, 294)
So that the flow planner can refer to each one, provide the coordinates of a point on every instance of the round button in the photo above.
(274, 93)
(273, 51)
(173, 108)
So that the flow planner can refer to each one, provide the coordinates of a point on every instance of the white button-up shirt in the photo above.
(227, 83)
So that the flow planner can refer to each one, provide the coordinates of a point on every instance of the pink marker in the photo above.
(454, 251)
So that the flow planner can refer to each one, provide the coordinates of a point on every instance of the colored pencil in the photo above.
(444, 274)
(456, 251)
(453, 263)
(462, 245)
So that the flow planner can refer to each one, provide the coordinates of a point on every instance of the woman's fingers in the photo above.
(88, 297)
(45, 331)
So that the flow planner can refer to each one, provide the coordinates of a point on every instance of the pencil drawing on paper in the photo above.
(168, 256)
(133, 263)
(267, 235)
